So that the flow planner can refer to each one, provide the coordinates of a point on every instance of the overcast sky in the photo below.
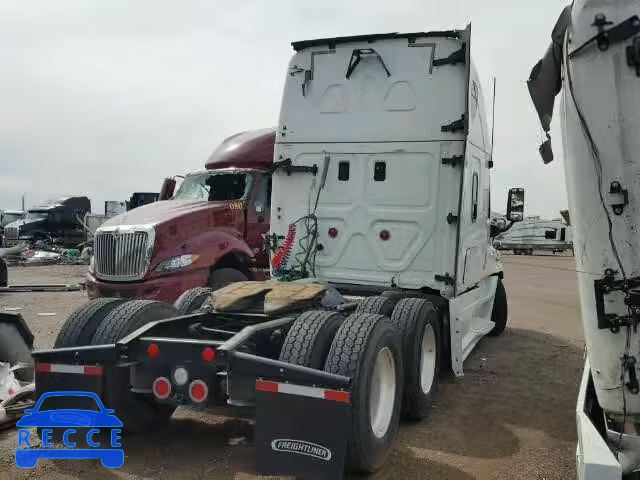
(107, 97)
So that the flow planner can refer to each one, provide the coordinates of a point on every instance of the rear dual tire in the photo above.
(310, 338)
(192, 300)
(418, 323)
(137, 412)
(367, 349)
(378, 305)
(82, 324)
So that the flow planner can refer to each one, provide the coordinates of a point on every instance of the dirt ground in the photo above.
(510, 417)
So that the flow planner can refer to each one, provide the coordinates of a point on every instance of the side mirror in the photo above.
(515, 205)
(546, 151)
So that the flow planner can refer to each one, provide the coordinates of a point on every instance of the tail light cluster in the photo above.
(197, 389)
(384, 234)
(161, 388)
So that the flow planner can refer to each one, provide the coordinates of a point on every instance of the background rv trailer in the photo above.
(535, 233)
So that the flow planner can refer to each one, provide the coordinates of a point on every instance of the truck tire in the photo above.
(137, 412)
(224, 276)
(4, 274)
(379, 305)
(192, 300)
(418, 323)
(82, 324)
(367, 349)
(310, 337)
(500, 310)
(129, 317)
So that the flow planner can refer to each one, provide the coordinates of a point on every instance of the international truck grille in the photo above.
(121, 256)
(11, 234)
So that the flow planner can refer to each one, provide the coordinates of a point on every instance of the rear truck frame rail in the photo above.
(149, 351)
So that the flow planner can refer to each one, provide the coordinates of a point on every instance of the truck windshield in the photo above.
(215, 187)
(8, 218)
(36, 215)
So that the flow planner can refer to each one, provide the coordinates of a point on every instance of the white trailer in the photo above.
(595, 59)
(535, 233)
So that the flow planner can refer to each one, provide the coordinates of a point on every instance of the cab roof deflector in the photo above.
(332, 42)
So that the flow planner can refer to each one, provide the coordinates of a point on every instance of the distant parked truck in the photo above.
(59, 219)
(535, 233)
(210, 233)
(7, 217)
(92, 221)
(139, 199)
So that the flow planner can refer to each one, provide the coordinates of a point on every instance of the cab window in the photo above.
(263, 195)
(474, 197)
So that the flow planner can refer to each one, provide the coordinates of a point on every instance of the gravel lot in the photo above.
(510, 417)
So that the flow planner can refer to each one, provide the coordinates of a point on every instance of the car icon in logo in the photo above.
(70, 421)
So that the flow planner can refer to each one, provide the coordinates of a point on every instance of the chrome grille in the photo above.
(11, 233)
(121, 255)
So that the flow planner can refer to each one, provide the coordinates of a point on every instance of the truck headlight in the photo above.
(92, 264)
(176, 263)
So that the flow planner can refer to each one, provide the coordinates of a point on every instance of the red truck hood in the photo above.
(160, 212)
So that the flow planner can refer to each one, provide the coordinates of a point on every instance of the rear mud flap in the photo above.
(58, 378)
(301, 431)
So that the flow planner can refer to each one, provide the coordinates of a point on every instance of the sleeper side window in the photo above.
(474, 197)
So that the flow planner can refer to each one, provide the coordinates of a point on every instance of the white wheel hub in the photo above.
(428, 359)
(382, 392)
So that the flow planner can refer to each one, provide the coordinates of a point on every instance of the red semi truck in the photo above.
(211, 231)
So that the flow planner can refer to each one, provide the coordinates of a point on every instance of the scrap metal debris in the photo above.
(12, 408)
(17, 389)
(43, 252)
(9, 385)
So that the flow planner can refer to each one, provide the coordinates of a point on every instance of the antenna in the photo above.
(493, 116)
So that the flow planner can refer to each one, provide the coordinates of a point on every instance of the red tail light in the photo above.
(208, 354)
(198, 391)
(333, 232)
(153, 350)
(385, 235)
(161, 388)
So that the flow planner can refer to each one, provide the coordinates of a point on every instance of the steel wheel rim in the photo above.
(382, 392)
(427, 359)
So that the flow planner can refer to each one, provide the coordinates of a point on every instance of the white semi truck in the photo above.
(594, 64)
(384, 276)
